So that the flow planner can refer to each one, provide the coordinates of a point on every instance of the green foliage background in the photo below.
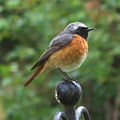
(26, 28)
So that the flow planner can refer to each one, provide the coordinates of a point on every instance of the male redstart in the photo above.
(66, 51)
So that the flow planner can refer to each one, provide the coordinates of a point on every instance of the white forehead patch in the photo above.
(80, 24)
(75, 25)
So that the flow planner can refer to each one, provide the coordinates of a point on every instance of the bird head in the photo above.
(78, 28)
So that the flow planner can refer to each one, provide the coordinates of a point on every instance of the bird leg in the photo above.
(65, 74)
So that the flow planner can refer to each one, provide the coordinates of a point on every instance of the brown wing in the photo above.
(56, 44)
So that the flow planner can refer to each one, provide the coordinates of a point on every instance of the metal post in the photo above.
(68, 94)
(70, 112)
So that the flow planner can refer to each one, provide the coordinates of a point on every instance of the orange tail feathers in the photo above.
(39, 70)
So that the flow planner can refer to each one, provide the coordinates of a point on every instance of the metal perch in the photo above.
(68, 94)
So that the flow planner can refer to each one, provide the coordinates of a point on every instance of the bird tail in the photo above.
(39, 70)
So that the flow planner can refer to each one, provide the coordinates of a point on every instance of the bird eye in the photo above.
(82, 28)
(79, 28)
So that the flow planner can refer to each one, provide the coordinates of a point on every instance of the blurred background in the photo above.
(27, 27)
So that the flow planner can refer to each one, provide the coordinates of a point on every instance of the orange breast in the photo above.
(71, 56)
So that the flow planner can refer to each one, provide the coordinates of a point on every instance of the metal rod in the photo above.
(70, 112)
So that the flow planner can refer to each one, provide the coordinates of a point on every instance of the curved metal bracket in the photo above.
(59, 116)
(82, 111)
(79, 112)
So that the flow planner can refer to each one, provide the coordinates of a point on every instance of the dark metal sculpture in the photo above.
(68, 94)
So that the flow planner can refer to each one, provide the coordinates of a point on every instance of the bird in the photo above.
(66, 52)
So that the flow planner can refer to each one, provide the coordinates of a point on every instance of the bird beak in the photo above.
(89, 29)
